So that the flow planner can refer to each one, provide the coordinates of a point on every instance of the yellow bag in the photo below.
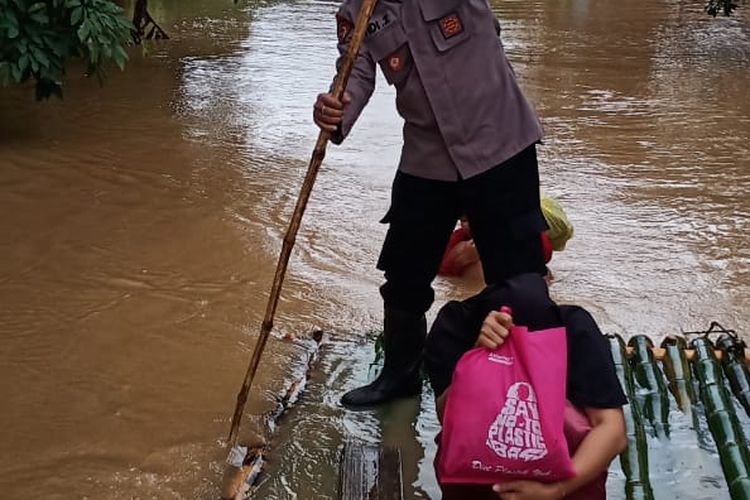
(560, 228)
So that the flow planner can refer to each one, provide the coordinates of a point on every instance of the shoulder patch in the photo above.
(344, 28)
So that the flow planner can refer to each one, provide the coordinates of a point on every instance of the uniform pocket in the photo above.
(386, 41)
(390, 49)
(397, 65)
(449, 31)
(448, 20)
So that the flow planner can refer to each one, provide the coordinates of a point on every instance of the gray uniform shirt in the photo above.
(463, 110)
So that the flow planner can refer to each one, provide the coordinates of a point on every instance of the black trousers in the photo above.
(506, 220)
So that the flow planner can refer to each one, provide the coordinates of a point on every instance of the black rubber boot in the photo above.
(403, 336)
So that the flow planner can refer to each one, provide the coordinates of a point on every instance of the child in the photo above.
(592, 385)
(461, 257)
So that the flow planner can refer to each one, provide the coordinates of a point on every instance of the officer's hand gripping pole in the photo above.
(237, 453)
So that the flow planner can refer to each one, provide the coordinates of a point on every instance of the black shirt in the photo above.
(592, 381)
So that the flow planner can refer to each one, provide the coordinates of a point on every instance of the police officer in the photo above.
(469, 147)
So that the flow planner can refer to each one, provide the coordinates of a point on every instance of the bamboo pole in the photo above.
(660, 353)
(318, 154)
(735, 370)
(725, 428)
(634, 459)
(653, 398)
(678, 373)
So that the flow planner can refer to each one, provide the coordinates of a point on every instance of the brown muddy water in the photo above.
(141, 223)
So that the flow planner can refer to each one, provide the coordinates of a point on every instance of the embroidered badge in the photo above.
(396, 63)
(344, 28)
(451, 26)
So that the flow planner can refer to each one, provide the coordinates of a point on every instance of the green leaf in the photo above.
(23, 62)
(40, 57)
(94, 54)
(16, 72)
(57, 48)
(39, 6)
(12, 19)
(13, 32)
(83, 31)
(72, 3)
(94, 24)
(40, 18)
(76, 15)
(120, 56)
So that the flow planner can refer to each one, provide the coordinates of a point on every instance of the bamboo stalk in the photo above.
(660, 353)
(678, 372)
(735, 370)
(722, 421)
(239, 481)
(634, 459)
(653, 399)
(318, 154)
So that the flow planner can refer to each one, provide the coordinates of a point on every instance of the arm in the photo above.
(338, 117)
(597, 450)
(601, 445)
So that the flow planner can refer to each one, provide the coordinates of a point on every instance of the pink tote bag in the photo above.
(504, 414)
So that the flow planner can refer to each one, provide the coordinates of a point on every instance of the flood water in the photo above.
(141, 223)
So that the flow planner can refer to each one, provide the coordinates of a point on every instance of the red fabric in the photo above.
(448, 266)
(546, 247)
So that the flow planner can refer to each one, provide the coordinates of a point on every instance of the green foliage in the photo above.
(37, 38)
(713, 7)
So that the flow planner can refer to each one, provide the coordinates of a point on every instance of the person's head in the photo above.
(560, 228)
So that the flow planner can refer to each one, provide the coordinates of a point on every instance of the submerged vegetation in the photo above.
(726, 7)
(37, 39)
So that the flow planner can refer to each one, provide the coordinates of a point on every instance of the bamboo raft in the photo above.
(693, 369)
(704, 373)
(706, 369)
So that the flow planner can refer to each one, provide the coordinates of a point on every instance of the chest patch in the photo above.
(451, 25)
(395, 63)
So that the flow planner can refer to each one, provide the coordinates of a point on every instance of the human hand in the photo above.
(329, 111)
(529, 490)
(495, 329)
